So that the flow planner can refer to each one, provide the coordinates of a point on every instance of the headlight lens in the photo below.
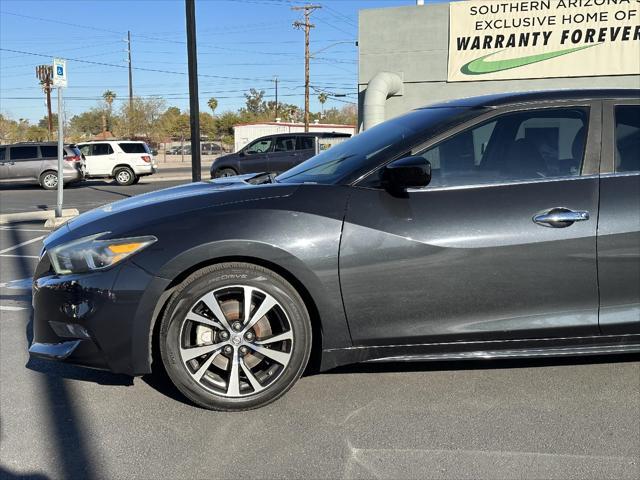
(90, 254)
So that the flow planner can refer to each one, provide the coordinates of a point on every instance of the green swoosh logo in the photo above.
(480, 66)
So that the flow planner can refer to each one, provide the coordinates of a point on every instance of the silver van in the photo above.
(37, 162)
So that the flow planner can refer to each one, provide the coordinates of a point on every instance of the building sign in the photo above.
(502, 39)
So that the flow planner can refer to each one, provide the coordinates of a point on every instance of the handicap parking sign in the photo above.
(59, 73)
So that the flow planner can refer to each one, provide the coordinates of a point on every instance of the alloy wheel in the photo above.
(123, 176)
(50, 180)
(236, 341)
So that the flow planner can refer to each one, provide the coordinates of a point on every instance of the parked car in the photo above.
(273, 153)
(37, 162)
(123, 160)
(209, 148)
(174, 150)
(491, 227)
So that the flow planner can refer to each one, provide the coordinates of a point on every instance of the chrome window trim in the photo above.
(503, 184)
(619, 174)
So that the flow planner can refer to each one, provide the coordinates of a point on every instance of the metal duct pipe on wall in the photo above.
(380, 87)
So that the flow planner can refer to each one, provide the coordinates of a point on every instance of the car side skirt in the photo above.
(484, 350)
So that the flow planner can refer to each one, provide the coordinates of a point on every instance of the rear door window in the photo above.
(628, 138)
(49, 151)
(285, 144)
(24, 153)
(133, 147)
(2, 153)
(306, 143)
(101, 149)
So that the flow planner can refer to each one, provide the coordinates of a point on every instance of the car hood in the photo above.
(132, 213)
(224, 157)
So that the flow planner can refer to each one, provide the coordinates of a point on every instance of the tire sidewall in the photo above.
(227, 275)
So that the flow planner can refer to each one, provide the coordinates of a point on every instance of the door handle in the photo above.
(560, 217)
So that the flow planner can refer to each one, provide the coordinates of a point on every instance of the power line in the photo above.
(138, 68)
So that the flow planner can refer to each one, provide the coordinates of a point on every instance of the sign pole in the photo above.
(60, 81)
(60, 156)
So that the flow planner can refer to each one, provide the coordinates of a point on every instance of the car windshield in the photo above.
(363, 152)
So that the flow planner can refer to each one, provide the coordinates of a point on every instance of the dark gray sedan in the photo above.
(492, 227)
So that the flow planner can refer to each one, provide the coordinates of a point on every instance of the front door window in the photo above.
(261, 146)
(519, 146)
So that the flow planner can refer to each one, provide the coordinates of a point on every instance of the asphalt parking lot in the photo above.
(548, 419)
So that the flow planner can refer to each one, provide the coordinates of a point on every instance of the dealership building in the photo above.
(417, 55)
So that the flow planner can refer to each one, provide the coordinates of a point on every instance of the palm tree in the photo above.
(322, 98)
(109, 96)
(213, 104)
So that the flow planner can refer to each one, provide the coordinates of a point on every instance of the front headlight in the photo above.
(90, 254)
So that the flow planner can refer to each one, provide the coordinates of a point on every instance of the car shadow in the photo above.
(63, 416)
(35, 186)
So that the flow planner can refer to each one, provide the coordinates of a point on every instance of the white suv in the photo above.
(123, 160)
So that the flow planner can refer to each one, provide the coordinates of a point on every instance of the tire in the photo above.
(208, 379)
(49, 180)
(136, 180)
(124, 176)
(225, 172)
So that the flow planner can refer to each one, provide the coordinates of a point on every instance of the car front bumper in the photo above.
(101, 320)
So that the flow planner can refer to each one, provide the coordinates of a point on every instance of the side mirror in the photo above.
(406, 173)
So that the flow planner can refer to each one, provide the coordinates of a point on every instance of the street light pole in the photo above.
(194, 107)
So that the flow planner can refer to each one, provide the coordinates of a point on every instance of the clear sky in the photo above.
(241, 44)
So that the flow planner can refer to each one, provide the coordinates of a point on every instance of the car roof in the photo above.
(308, 134)
(110, 141)
(503, 99)
(36, 144)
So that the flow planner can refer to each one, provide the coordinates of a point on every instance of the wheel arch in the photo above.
(317, 326)
(122, 165)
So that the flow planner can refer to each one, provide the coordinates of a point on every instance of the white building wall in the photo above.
(244, 134)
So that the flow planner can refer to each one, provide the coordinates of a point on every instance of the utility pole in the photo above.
(194, 107)
(130, 82)
(275, 79)
(308, 10)
(44, 73)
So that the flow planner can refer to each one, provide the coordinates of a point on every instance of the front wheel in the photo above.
(235, 336)
(225, 172)
(124, 176)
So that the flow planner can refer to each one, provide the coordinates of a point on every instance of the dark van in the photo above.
(272, 153)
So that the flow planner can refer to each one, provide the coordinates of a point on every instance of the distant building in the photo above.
(247, 132)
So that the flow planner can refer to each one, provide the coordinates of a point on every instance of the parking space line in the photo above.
(7, 308)
(13, 229)
(19, 256)
(15, 247)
